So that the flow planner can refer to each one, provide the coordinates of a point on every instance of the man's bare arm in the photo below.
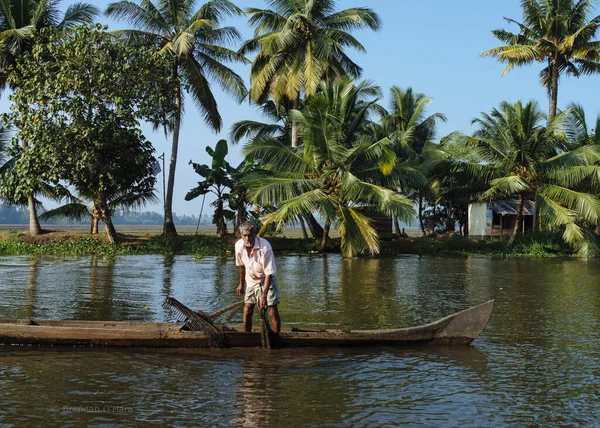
(266, 288)
(240, 288)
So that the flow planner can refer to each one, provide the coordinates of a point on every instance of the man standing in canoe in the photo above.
(254, 256)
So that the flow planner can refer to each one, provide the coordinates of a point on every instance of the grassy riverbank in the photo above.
(72, 242)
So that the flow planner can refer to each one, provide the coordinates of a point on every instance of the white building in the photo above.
(498, 218)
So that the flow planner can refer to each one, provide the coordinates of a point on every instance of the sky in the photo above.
(433, 46)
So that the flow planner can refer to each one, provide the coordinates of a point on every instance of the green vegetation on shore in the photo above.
(61, 243)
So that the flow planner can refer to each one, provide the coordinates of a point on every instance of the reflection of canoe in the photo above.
(459, 328)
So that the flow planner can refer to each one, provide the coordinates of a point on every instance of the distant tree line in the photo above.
(11, 214)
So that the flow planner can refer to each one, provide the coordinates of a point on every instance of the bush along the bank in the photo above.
(80, 246)
(198, 246)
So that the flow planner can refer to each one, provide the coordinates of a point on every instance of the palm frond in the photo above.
(70, 211)
(357, 232)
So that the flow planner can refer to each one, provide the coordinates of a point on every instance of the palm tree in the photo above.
(80, 208)
(19, 19)
(336, 170)
(580, 135)
(300, 43)
(557, 33)
(197, 44)
(412, 133)
(520, 158)
(279, 127)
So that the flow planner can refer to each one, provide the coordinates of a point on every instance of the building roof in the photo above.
(509, 207)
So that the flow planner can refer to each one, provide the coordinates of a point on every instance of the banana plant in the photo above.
(218, 181)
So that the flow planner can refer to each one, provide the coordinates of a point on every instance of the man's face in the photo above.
(248, 238)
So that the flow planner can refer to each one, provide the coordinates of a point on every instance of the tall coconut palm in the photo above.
(558, 33)
(299, 43)
(335, 172)
(197, 43)
(520, 158)
(19, 19)
(279, 127)
(412, 133)
(580, 135)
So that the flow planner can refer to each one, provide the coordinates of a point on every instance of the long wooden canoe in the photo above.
(459, 328)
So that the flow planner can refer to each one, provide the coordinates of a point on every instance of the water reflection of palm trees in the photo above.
(32, 284)
(369, 287)
(100, 304)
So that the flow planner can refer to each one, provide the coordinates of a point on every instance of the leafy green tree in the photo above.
(558, 33)
(217, 180)
(193, 38)
(82, 127)
(520, 158)
(300, 43)
(19, 19)
(335, 172)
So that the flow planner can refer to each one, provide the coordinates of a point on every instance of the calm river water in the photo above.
(536, 364)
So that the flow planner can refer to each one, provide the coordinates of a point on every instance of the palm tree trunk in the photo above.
(315, 228)
(34, 223)
(169, 225)
(241, 217)
(553, 88)
(395, 226)
(94, 228)
(515, 232)
(295, 126)
(536, 216)
(303, 227)
(325, 241)
(421, 215)
(106, 218)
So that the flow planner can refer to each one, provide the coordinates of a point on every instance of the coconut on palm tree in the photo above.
(559, 34)
(335, 172)
(192, 36)
(520, 159)
(300, 43)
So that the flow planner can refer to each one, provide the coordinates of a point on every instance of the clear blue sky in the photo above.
(432, 46)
